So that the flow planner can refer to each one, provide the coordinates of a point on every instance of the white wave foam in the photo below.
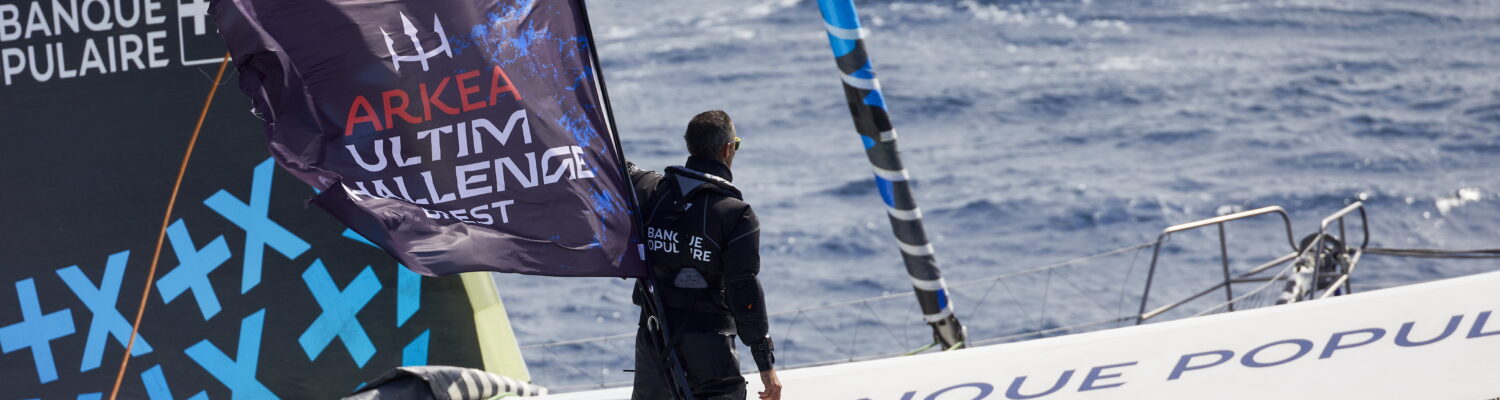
(1130, 63)
(1463, 196)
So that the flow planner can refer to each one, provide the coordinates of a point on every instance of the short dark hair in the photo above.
(708, 132)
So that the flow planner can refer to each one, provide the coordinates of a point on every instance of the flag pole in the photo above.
(872, 122)
(647, 286)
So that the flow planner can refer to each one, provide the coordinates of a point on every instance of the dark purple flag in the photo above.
(459, 135)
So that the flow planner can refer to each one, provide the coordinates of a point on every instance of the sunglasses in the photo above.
(736, 144)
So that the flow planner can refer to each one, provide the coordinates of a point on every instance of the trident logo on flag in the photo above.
(422, 55)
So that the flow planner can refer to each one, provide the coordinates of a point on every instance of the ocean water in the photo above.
(1044, 131)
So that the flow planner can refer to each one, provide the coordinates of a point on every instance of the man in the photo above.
(704, 244)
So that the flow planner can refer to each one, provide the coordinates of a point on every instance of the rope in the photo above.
(1280, 277)
(1046, 332)
(1120, 304)
(165, 220)
(1417, 253)
(899, 339)
(1435, 253)
(982, 299)
(1064, 275)
(921, 349)
(799, 313)
(1014, 299)
(578, 341)
(1057, 265)
(1046, 293)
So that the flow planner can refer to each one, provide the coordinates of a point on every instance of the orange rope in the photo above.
(165, 219)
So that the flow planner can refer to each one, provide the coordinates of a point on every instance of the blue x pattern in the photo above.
(239, 373)
(36, 331)
(192, 270)
(157, 389)
(340, 309)
(260, 230)
(408, 285)
(101, 302)
(338, 320)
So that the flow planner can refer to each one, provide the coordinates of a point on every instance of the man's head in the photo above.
(711, 134)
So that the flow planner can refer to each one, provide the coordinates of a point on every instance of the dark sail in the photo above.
(96, 118)
(457, 135)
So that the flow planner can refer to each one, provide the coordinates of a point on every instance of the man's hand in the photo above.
(773, 385)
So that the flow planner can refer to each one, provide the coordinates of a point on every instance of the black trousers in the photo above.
(709, 359)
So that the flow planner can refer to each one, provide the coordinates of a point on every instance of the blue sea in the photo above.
(1038, 132)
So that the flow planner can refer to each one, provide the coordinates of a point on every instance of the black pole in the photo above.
(653, 307)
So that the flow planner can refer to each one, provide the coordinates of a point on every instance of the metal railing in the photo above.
(1343, 263)
(1350, 257)
(1228, 283)
(879, 335)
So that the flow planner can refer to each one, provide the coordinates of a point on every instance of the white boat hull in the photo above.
(1312, 350)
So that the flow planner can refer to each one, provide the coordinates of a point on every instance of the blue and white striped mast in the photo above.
(873, 124)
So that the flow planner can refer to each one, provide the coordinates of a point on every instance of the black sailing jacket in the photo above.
(704, 243)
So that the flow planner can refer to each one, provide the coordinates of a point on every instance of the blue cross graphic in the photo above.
(192, 270)
(339, 317)
(415, 353)
(408, 285)
(238, 374)
(36, 331)
(255, 219)
(408, 294)
(101, 302)
(157, 389)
